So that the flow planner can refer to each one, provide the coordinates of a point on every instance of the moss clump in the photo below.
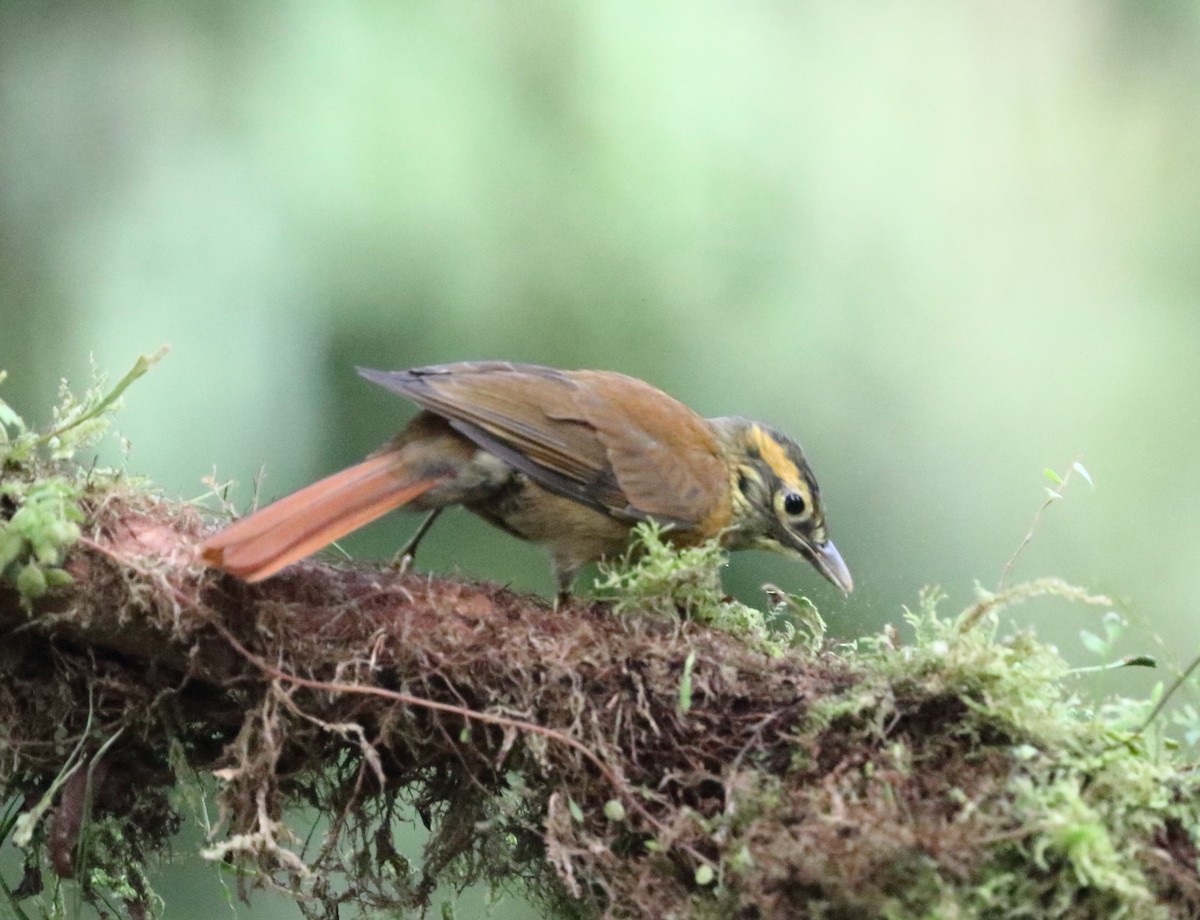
(659, 579)
(40, 491)
(958, 776)
(34, 540)
(961, 777)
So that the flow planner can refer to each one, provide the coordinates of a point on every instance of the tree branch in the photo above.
(551, 745)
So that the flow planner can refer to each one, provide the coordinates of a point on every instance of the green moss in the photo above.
(40, 493)
(78, 421)
(657, 578)
(1053, 803)
(115, 863)
(35, 539)
(1071, 822)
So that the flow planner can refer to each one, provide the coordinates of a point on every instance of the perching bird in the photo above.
(572, 460)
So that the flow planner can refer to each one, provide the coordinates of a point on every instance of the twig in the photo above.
(1054, 495)
(1166, 697)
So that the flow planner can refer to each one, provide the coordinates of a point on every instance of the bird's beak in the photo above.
(828, 562)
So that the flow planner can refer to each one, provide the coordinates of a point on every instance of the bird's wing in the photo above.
(601, 438)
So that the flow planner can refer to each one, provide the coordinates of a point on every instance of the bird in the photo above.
(570, 459)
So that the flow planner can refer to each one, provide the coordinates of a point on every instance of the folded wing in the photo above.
(607, 440)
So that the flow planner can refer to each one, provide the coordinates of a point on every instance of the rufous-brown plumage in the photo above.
(568, 459)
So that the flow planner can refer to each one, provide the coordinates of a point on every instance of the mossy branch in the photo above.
(611, 758)
(552, 746)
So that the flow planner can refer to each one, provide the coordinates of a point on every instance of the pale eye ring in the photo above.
(793, 504)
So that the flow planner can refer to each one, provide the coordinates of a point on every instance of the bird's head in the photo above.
(775, 498)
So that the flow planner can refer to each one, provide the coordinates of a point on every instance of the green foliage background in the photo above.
(944, 245)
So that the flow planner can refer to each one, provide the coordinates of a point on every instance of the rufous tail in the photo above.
(299, 524)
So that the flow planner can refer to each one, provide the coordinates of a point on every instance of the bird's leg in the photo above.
(564, 578)
(404, 558)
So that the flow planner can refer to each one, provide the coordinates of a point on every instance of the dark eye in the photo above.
(793, 504)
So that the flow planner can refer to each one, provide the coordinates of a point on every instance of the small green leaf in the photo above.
(576, 811)
(705, 875)
(63, 532)
(1052, 495)
(11, 545)
(1136, 661)
(1093, 643)
(46, 552)
(1078, 467)
(59, 578)
(614, 811)
(9, 418)
(1129, 661)
(741, 858)
(1052, 476)
(31, 583)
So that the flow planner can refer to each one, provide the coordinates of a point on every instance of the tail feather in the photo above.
(299, 524)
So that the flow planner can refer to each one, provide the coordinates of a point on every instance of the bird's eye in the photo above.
(793, 504)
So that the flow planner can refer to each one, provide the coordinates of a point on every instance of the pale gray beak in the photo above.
(829, 563)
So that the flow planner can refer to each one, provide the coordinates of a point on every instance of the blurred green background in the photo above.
(945, 246)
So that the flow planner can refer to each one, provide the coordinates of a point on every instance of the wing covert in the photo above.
(601, 438)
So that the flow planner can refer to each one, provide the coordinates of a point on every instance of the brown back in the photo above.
(610, 441)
